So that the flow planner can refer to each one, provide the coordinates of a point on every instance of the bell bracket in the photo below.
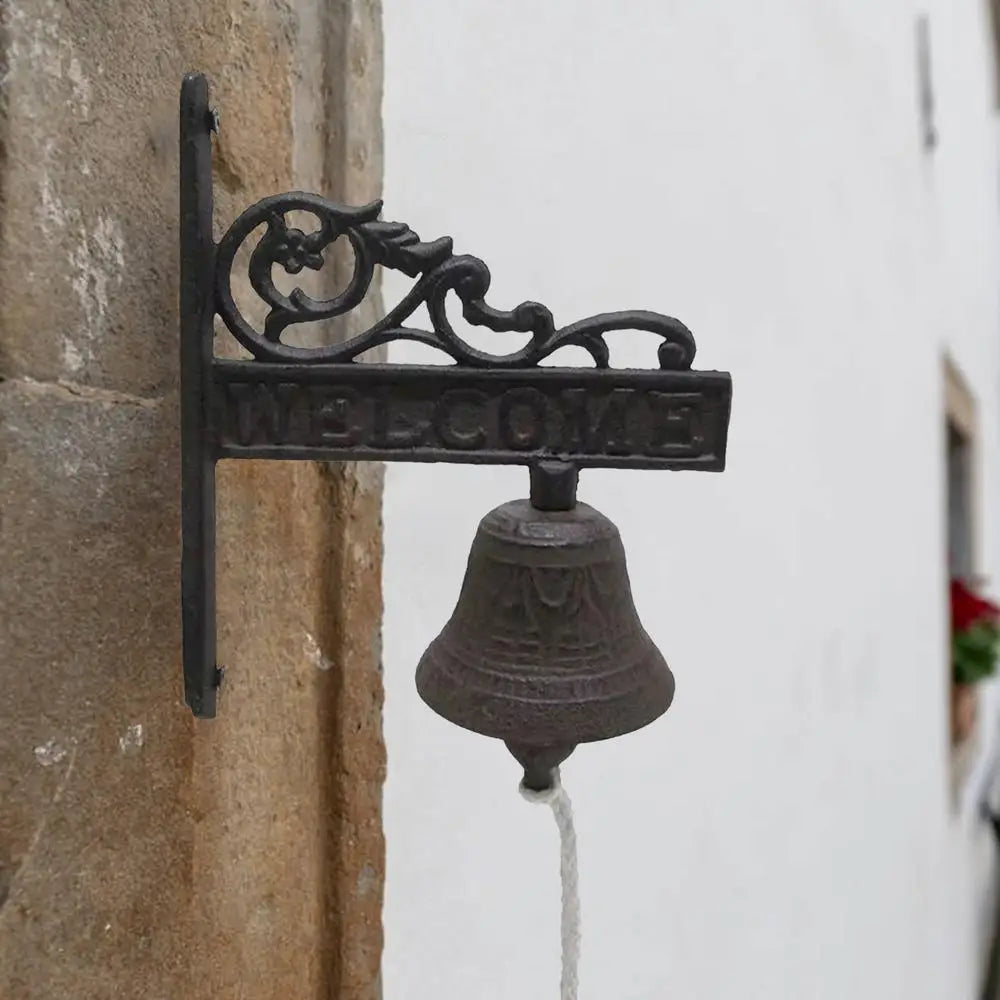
(322, 403)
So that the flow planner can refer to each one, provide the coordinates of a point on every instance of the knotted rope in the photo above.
(562, 809)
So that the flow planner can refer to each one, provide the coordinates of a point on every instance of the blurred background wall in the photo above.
(799, 825)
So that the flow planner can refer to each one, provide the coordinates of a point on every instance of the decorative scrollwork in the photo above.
(438, 271)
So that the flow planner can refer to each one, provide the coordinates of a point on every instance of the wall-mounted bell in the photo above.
(545, 649)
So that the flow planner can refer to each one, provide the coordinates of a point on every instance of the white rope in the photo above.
(562, 809)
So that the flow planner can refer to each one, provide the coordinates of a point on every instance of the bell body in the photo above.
(545, 649)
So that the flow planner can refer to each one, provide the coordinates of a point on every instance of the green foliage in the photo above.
(974, 652)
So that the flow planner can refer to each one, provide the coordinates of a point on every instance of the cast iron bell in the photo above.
(545, 649)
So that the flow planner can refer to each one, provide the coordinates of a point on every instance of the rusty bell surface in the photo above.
(545, 649)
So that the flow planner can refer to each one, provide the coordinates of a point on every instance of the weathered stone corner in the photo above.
(143, 853)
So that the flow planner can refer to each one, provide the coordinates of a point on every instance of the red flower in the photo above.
(968, 608)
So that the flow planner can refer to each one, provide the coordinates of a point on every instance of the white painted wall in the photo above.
(755, 169)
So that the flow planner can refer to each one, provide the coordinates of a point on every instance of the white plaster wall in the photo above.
(756, 170)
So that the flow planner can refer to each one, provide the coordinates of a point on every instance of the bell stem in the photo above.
(553, 485)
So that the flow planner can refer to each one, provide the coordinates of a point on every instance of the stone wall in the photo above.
(143, 853)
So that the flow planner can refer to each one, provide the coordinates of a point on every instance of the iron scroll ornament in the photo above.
(438, 271)
(321, 403)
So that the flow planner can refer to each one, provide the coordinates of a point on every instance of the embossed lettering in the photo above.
(522, 419)
(591, 418)
(398, 424)
(597, 424)
(264, 413)
(674, 424)
(459, 417)
(335, 417)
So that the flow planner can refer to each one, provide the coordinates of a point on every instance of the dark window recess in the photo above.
(994, 6)
(925, 84)
(960, 560)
